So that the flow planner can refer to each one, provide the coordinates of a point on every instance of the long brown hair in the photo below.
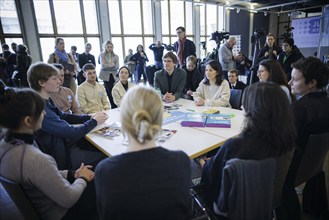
(269, 129)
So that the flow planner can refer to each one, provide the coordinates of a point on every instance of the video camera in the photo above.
(168, 47)
(288, 33)
(259, 32)
(219, 36)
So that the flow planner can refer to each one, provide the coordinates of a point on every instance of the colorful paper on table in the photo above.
(174, 116)
(204, 120)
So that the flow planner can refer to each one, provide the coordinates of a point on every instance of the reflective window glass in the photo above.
(149, 53)
(43, 17)
(147, 17)
(211, 19)
(9, 18)
(132, 42)
(68, 16)
(164, 17)
(176, 15)
(220, 18)
(202, 19)
(90, 17)
(47, 47)
(114, 17)
(165, 40)
(189, 18)
(131, 17)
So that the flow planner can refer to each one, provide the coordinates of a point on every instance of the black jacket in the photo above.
(292, 58)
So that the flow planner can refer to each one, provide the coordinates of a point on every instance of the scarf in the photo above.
(62, 55)
(181, 50)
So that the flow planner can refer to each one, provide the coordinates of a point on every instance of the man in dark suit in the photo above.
(84, 58)
(170, 80)
(183, 47)
(233, 80)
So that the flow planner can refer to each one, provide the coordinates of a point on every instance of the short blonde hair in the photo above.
(141, 113)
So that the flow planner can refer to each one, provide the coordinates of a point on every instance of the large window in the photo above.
(73, 20)
(131, 22)
(175, 13)
(135, 28)
(211, 20)
(10, 30)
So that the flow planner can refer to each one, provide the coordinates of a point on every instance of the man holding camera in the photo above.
(226, 57)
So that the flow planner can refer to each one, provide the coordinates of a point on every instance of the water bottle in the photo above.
(159, 92)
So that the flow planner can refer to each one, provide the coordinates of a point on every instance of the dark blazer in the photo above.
(189, 49)
(86, 58)
(311, 113)
(193, 80)
(239, 85)
(177, 83)
(292, 57)
(261, 55)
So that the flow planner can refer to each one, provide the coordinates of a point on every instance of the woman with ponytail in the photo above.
(148, 181)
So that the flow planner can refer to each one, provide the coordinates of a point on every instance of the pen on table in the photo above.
(191, 110)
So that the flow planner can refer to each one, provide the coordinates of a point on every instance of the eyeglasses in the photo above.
(179, 32)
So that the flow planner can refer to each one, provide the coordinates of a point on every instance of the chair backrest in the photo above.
(282, 166)
(235, 98)
(313, 157)
(22, 202)
(247, 189)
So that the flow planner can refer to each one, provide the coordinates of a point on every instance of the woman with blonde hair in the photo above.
(147, 181)
(110, 65)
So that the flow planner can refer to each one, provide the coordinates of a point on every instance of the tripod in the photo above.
(253, 70)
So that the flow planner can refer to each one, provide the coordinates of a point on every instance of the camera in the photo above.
(259, 32)
(288, 33)
(219, 36)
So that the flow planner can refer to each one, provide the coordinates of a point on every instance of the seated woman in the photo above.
(148, 181)
(64, 99)
(193, 77)
(213, 90)
(271, 71)
(122, 86)
(268, 132)
(309, 78)
(56, 194)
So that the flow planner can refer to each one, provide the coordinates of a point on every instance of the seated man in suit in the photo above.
(233, 79)
(170, 80)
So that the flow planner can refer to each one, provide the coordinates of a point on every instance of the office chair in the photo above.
(235, 98)
(247, 189)
(311, 170)
(282, 167)
(19, 197)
